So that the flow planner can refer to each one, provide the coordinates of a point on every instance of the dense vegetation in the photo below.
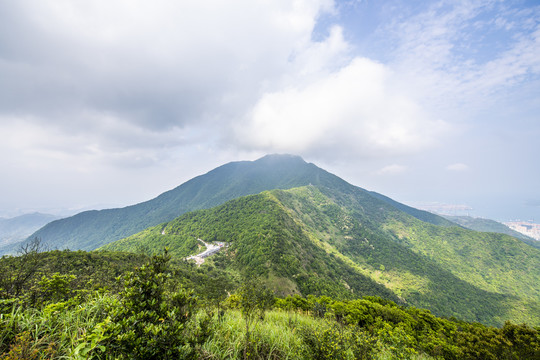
(319, 241)
(351, 271)
(90, 229)
(167, 310)
(25, 275)
(263, 241)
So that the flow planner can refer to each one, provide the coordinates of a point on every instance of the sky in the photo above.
(109, 103)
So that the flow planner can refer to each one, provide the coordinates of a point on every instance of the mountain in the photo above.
(16, 229)
(91, 229)
(308, 231)
(486, 225)
(419, 214)
(346, 242)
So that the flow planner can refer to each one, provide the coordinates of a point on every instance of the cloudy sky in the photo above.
(111, 102)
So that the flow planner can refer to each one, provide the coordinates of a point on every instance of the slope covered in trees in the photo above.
(263, 241)
(345, 243)
(164, 310)
(91, 229)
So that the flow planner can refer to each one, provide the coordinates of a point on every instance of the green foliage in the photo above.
(422, 263)
(368, 328)
(25, 348)
(90, 343)
(17, 271)
(263, 241)
(39, 278)
(150, 322)
(91, 229)
(255, 300)
(345, 243)
(335, 341)
(55, 288)
(405, 331)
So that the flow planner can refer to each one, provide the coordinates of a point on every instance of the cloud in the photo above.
(457, 167)
(392, 170)
(103, 91)
(353, 110)
(465, 55)
(145, 67)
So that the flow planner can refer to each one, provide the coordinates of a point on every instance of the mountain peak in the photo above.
(281, 158)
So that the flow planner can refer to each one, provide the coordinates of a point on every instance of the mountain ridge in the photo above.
(487, 225)
(91, 229)
(359, 248)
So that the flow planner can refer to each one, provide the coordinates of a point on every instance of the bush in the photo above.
(335, 341)
(150, 322)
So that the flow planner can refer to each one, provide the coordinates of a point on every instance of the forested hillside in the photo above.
(73, 305)
(312, 240)
(91, 229)
(263, 241)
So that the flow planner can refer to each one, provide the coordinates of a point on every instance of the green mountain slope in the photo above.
(91, 229)
(264, 241)
(419, 214)
(486, 225)
(345, 242)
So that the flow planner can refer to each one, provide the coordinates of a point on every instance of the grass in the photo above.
(56, 331)
(271, 338)
(279, 336)
(59, 328)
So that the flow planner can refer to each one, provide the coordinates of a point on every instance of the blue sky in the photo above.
(109, 103)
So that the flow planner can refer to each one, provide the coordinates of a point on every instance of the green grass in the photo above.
(57, 329)
(277, 337)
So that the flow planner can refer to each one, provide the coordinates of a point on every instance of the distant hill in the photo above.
(91, 229)
(487, 225)
(14, 230)
(346, 242)
(419, 214)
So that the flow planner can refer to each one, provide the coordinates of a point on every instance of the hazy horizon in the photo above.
(108, 104)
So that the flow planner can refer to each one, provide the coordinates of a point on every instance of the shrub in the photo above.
(150, 322)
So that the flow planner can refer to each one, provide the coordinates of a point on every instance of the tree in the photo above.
(150, 321)
(215, 290)
(255, 299)
(17, 272)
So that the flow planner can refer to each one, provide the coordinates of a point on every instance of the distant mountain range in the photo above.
(89, 230)
(486, 225)
(14, 230)
(309, 232)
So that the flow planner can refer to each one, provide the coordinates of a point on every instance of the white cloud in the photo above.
(157, 65)
(98, 92)
(354, 110)
(392, 170)
(457, 167)
(465, 56)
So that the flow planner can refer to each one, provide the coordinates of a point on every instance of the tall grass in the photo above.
(271, 338)
(54, 333)
(278, 336)
(58, 327)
